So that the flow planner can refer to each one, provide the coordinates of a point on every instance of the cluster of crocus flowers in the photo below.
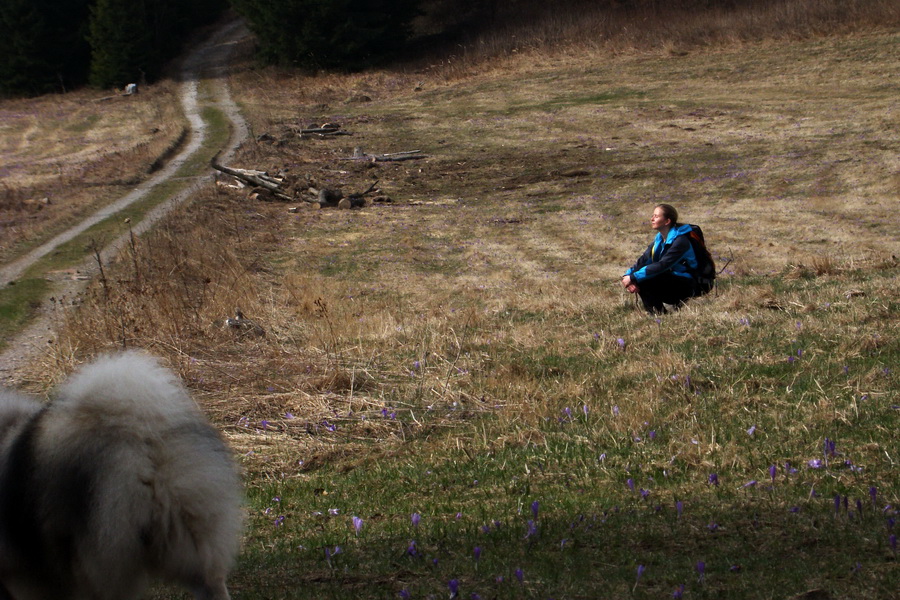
(842, 504)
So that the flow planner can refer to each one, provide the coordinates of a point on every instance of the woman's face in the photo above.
(658, 221)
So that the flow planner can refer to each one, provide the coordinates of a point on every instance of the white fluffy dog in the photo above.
(118, 480)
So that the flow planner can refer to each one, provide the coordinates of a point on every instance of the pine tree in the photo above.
(120, 42)
(329, 33)
(42, 45)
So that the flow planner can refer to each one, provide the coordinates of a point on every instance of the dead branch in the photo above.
(359, 155)
(326, 130)
(256, 178)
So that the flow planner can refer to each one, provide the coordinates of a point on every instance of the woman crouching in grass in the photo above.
(663, 275)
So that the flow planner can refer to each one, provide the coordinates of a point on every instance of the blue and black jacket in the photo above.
(673, 255)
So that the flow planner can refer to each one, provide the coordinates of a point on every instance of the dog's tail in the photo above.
(131, 385)
(165, 466)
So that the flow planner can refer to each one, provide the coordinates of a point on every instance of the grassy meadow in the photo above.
(453, 397)
(64, 156)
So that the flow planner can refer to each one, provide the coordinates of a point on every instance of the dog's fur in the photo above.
(118, 480)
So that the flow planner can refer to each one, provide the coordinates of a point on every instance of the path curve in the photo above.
(208, 60)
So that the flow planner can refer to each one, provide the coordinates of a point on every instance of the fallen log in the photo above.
(257, 179)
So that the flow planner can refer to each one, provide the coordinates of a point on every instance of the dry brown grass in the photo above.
(540, 31)
(79, 153)
(489, 285)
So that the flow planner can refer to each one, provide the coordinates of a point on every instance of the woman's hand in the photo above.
(629, 285)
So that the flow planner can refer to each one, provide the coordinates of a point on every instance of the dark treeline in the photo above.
(352, 34)
(344, 34)
(56, 45)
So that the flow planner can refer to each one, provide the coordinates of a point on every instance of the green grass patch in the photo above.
(18, 303)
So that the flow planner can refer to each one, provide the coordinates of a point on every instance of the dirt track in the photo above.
(207, 61)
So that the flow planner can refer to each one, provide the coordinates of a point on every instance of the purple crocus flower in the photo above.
(357, 524)
(701, 568)
(873, 494)
(477, 553)
(621, 343)
(750, 483)
(773, 471)
(679, 507)
(713, 479)
(752, 430)
(453, 584)
(532, 530)
(404, 593)
(415, 518)
(411, 548)
(534, 509)
(520, 575)
(630, 484)
(678, 594)
(640, 571)
(815, 463)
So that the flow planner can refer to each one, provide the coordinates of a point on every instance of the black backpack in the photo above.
(705, 273)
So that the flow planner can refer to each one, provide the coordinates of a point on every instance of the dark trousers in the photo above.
(665, 288)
